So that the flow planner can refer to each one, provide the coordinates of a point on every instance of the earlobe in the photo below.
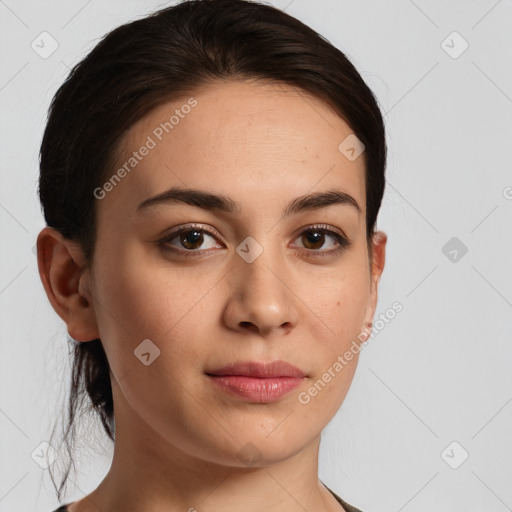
(64, 274)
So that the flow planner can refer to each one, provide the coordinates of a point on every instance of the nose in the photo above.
(261, 299)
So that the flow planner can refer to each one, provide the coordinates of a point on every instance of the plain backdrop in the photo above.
(427, 422)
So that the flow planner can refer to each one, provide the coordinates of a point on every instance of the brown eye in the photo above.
(313, 239)
(320, 241)
(190, 239)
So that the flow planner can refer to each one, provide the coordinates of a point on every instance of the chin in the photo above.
(251, 451)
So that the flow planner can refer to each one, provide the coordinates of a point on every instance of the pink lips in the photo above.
(258, 382)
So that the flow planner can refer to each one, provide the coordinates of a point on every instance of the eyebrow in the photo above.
(208, 201)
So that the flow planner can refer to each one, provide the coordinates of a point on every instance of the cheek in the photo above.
(340, 309)
(141, 295)
(325, 392)
(340, 301)
(339, 304)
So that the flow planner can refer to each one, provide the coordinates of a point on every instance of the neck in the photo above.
(151, 474)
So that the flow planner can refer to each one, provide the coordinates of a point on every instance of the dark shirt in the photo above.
(346, 506)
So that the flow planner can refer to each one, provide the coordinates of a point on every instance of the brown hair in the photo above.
(162, 57)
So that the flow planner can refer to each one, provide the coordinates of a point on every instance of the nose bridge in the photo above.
(260, 273)
(260, 295)
(258, 268)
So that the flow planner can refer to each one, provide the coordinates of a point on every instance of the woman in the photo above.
(211, 177)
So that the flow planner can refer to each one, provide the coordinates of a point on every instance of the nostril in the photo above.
(287, 326)
(249, 325)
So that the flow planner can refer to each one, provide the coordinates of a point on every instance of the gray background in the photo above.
(438, 373)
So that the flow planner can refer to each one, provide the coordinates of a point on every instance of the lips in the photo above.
(259, 370)
(257, 382)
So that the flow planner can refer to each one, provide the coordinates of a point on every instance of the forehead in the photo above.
(253, 140)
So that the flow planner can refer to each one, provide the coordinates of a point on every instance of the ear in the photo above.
(378, 259)
(66, 280)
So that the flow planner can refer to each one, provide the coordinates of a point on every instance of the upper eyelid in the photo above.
(190, 227)
(212, 232)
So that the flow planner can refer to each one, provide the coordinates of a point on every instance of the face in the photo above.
(185, 286)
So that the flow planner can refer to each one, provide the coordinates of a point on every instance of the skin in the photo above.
(177, 436)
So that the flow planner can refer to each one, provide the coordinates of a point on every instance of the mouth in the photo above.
(258, 369)
(257, 382)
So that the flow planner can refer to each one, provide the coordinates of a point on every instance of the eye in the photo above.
(190, 239)
(315, 238)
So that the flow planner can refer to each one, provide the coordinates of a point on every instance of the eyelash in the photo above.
(343, 242)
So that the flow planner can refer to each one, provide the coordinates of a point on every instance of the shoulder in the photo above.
(346, 506)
